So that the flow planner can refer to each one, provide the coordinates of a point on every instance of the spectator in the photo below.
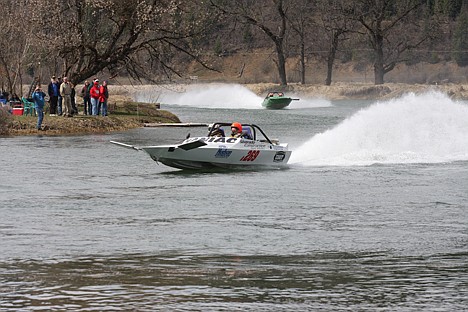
(94, 94)
(103, 96)
(53, 90)
(5, 94)
(3, 100)
(73, 100)
(59, 99)
(38, 97)
(86, 98)
(65, 92)
(15, 98)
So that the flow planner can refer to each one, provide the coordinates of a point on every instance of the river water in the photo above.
(370, 215)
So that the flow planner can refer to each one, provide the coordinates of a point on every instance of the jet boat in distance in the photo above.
(252, 150)
(277, 100)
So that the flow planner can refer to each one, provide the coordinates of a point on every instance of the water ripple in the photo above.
(333, 280)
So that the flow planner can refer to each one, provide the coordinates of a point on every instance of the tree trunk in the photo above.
(331, 57)
(379, 70)
(281, 63)
(7, 75)
(329, 72)
(302, 60)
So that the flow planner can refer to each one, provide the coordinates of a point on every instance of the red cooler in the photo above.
(18, 110)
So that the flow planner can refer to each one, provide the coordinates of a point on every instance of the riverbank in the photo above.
(124, 115)
(363, 91)
(127, 114)
(336, 91)
(57, 125)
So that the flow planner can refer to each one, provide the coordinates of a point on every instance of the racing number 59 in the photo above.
(251, 155)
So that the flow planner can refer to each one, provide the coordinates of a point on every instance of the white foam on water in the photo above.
(308, 102)
(226, 96)
(229, 96)
(425, 128)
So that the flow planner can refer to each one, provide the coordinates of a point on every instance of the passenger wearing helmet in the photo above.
(236, 130)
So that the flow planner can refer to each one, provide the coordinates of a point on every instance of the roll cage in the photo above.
(274, 94)
(253, 130)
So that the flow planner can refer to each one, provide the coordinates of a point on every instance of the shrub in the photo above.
(5, 120)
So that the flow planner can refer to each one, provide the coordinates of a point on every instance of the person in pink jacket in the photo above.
(94, 93)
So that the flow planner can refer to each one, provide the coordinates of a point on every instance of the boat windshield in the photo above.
(275, 94)
(250, 131)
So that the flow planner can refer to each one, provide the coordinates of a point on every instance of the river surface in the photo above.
(371, 215)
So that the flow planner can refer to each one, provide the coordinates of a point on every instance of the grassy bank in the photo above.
(124, 115)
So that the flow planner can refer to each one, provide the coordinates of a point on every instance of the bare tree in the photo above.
(260, 15)
(135, 37)
(335, 21)
(300, 17)
(15, 51)
(382, 20)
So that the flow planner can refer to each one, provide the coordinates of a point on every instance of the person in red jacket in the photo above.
(103, 96)
(94, 93)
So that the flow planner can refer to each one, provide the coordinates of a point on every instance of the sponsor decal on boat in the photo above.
(279, 157)
(213, 140)
(223, 152)
(251, 156)
(223, 140)
(254, 145)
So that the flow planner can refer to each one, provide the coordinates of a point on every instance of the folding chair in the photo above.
(29, 107)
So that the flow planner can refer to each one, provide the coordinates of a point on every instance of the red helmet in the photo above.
(237, 125)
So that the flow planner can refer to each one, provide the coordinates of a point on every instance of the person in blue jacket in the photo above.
(38, 97)
(53, 89)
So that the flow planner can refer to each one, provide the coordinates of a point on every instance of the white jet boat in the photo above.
(252, 150)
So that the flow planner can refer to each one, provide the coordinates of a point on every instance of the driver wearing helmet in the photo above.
(236, 130)
(215, 131)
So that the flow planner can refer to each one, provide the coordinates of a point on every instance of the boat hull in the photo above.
(251, 150)
(221, 153)
(276, 102)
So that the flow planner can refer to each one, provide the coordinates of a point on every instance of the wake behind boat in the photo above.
(252, 150)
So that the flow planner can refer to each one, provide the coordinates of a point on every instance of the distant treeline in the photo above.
(156, 40)
(382, 32)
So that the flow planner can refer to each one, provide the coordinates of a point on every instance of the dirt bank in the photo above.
(337, 91)
(125, 114)
(363, 91)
